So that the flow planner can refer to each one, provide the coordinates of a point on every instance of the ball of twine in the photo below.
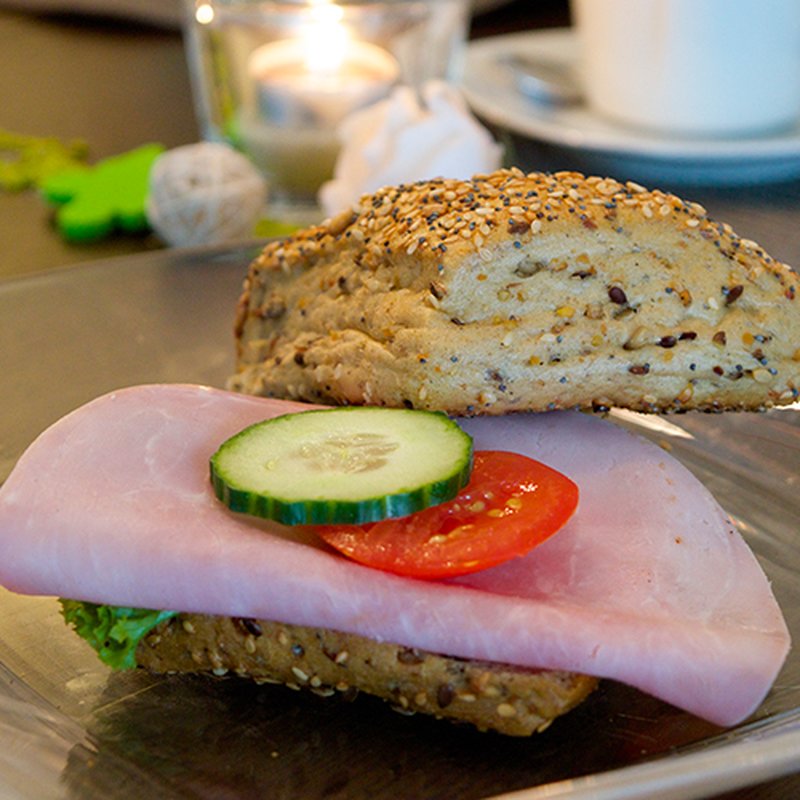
(204, 193)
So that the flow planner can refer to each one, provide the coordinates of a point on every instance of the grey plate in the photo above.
(71, 728)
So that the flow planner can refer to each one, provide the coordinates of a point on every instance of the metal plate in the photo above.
(71, 728)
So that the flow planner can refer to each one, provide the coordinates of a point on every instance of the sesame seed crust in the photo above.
(510, 700)
(515, 292)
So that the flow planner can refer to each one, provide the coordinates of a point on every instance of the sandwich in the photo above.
(515, 305)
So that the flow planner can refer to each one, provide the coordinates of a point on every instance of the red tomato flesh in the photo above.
(511, 504)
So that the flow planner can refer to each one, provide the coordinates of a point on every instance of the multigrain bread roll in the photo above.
(510, 700)
(515, 292)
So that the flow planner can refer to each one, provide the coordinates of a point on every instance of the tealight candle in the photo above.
(296, 86)
(304, 87)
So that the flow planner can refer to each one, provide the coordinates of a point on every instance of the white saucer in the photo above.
(491, 90)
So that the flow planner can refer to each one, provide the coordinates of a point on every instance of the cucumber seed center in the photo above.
(359, 452)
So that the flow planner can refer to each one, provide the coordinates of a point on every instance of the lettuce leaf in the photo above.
(113, 631)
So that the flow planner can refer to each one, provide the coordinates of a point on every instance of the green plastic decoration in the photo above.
(27, 161)
(108, 196)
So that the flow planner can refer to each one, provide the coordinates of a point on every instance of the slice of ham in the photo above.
(648, 584)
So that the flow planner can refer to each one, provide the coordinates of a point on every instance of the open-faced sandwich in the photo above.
(476, 564)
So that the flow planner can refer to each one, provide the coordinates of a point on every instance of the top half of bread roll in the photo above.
(513, 292)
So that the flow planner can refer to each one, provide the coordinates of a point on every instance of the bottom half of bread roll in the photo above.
(511, 700)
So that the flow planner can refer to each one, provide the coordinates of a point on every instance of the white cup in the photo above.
(692, 67)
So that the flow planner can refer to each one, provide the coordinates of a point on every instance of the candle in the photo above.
(304, 87)
(297, 85)
(276, 78)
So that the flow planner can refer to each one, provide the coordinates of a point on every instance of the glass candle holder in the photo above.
(275, 78)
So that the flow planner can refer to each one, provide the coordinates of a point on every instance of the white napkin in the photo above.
(404, 139)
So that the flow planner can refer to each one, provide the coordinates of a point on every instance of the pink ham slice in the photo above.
(648, 584)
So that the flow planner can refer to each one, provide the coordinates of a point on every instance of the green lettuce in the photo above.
(113, 631)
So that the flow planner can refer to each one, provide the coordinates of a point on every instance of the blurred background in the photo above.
(114, 74)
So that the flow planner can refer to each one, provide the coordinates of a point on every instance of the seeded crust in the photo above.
(510, 700)
(516, 292)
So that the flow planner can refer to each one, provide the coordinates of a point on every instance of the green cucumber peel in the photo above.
(113, 631)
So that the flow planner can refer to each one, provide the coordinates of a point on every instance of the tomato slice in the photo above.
(511, 504)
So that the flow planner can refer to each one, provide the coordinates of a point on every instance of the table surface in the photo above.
(118, 85)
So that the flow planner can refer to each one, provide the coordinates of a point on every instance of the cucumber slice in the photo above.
(342, 465)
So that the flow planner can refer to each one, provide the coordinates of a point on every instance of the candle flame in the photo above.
(325, 38)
